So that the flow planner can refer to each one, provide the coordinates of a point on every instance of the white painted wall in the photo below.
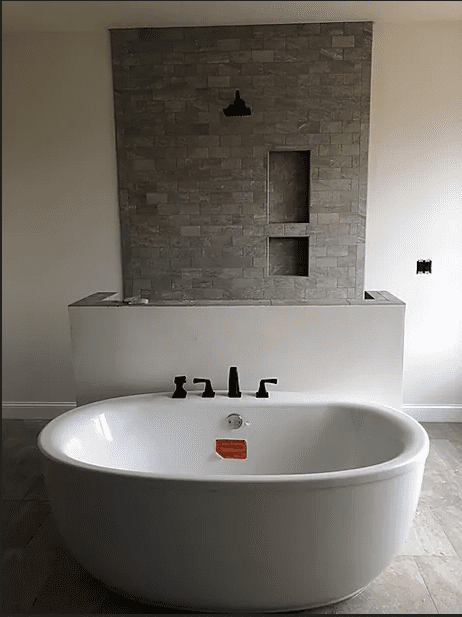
(60, 212)
(415, 198)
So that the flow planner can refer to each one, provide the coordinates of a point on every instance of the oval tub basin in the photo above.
(320, 500)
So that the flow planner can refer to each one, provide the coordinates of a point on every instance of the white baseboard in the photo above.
(434, 413)
(32, 410)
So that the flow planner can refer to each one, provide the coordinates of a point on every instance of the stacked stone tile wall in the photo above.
(195, 186)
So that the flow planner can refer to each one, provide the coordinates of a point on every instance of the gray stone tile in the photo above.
(11, 430)
(330, 609)
(24, 573)
(450, 519)
(27, 455)
(37, 491)
(68, 588)
(10, 447)
(17, 480)
(19, 440)
(443, 577)
(48, 537)
(426, 536)
(115, 604)
(399, 589)
(450, 454)
(22, 520)
(441, 486)
(35, 425)
(444, 430)
(270, 63)
(20, 437)
(455, 431)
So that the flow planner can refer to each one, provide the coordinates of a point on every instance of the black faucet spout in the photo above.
(233, 383)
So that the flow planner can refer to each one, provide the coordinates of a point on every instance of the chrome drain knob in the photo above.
(234, 420)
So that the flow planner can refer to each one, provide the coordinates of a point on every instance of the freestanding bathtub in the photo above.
(302, 506)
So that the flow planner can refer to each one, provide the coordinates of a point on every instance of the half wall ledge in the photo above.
(112, 298)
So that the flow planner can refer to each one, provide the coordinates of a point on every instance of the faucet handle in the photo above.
(262, 393)
(180, 392)
(208, 390)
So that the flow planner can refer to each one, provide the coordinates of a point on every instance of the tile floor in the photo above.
(40, 576)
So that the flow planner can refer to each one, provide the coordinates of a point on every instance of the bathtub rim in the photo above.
(415, 450)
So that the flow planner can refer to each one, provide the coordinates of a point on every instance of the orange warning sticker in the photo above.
(231, 448)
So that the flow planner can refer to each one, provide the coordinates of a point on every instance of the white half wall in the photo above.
(338, 352)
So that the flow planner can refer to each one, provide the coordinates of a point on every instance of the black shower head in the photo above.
(238, 108)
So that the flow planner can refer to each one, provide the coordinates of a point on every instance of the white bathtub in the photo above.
(316, 511)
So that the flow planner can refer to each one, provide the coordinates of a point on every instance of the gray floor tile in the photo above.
(27, 455)
(12, 429)
(69, 588)
(21, 468)
(20, 437)
(37, 490)
(330, 609)
(115, 604)
(14, 445)
(440, 486)
(450, 519)
(455, 433)
(17, 481)
(443, 576)
(48, 537)
(35, 425)
(444, 430)
(399, 589)
(22, 520)
(426, 536)
(24, 573)
(450, 455)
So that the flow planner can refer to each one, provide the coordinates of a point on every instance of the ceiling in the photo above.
(99, 16)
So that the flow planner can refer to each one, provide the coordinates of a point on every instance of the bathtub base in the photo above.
(124, 594)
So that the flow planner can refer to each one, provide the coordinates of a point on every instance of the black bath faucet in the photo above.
(180, 392)
(208, 390)
(233, 383)
(262, 393)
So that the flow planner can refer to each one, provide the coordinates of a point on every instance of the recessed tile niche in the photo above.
(289, 186)
(288, 256)
(260, 207)
(288, 203)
